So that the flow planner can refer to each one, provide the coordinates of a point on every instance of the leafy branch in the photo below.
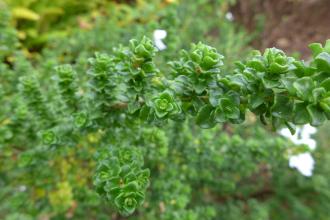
(127, 86)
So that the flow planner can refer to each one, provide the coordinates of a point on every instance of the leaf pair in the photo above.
(120, 178)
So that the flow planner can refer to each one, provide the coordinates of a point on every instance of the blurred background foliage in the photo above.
(229, 172)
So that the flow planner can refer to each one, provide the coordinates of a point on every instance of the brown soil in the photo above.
(287, 24)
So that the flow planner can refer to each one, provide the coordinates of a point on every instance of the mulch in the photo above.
(287, 24)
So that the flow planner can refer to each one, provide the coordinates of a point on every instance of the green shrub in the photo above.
(120, 135)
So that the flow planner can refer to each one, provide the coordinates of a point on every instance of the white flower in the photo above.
(302, 136)
(304, 163)
(229, 16)
(158, 36)
(22, 188)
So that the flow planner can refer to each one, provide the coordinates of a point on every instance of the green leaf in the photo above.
(301, 69)
(316, 48)
(143, 178)
(323, 62)
(25, 13)
(205, 118)
(327, 46)
(48, 137)
(238, 81)
(80, 119)
(129, 205)
(142, 51)
(131, 187)
(256, 100)
(318, 94)
(219, 115)
(301, 115)
(145, 113)
(133, 107)
(182, 85)
(304, 87)
(214, 96)
(291, 127)
(229, 108)
(325, 104)
(288, 83)
(317, 117)
(257, 65)
(196, 57)
(162, 107)
(270, 83)
(276, 68)
(209, 62)
(326, 84)
(165, 105)
(112, 192)
(200, 87)
(282, 107)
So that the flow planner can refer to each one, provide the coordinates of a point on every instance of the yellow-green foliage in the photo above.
(92, 129)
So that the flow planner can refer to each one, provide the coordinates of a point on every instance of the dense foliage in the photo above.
(121, 133)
